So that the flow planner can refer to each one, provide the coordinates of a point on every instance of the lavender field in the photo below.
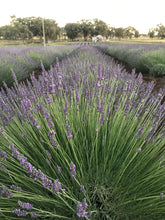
(145, 58)
(24, 60)
(86, 140)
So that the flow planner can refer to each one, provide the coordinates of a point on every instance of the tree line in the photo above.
(29, 27)
(88, 29)
(159, 31)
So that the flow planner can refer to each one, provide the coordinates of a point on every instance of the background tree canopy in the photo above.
(29, 27)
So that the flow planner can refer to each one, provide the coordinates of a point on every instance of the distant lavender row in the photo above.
(145, 58)
(23, 60)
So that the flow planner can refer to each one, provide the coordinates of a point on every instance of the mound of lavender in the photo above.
(145, 58)
(85, 140)
(24, 60)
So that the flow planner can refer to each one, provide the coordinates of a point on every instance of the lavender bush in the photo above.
(143, 57)
(85, 140)
(24, 60)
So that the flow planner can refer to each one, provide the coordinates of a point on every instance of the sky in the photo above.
(141, 14)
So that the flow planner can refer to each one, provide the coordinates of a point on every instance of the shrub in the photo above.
(158, 70)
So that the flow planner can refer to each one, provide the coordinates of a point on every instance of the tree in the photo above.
(21, 27)
(86, 27)
(131, 32)
(72, 30)
(35, 26)
(111, 32)
(161, 31)
(9, 33)
(119, 32)
(137, 34)
(62, 33)
(51, 29)
(151, 33)
(32, 26)
(100, 27)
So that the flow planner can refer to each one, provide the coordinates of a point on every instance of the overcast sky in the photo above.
(141, 14)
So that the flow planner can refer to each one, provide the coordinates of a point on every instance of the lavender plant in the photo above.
(85, 140)
(143, 57)
(24, 60)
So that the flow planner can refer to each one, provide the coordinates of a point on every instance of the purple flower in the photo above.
(22, 159)
(16, 188)
(56, 186)
(3, 155)
(33, 215)
(70, 136)
(49, 154)
(77, 98)
(66, 108)
(50, 123)
(81, 209)
(53, 142)
(46, 182)
(2, 167)
(59, 169)
(19, 212)
(24, 135)
(48, 100)
(51, 133)
(27, 103)
(1, 131)
(82, 188)
(69, 130)
(140, 132)
(38, 127)
(33, 172)
(27, 206)
(72, 169)
(4, 192)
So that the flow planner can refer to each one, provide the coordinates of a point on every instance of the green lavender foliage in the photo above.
(145, 58)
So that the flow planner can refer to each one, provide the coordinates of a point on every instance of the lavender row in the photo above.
(24, 60)
(145, 58)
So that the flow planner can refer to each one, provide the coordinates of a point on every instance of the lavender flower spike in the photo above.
(82, 188)
(27, 206)
(72, 169)
(81, 209)
(19, 212)
(4, 192)
(33, 215)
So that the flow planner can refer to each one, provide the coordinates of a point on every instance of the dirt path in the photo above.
(159, 81)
